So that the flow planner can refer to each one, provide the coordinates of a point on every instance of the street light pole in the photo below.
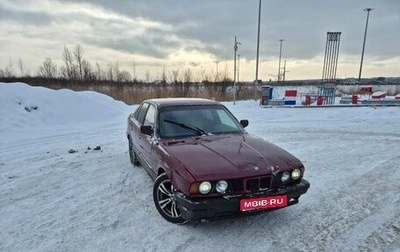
(235, 47)
(365, 37)
(280, 56)
(258, 50)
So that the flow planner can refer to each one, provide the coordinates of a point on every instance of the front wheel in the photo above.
(164, 199)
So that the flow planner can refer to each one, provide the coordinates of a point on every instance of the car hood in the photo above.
(230, 156)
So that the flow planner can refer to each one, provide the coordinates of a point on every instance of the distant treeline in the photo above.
(77, 68)
(133, 93)
(78, 74)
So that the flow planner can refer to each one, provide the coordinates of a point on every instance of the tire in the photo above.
(164, 200)
(132, 154)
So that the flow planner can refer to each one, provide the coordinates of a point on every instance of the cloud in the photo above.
(196, 32)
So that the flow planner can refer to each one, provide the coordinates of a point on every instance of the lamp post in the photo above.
(235, 48)
(258, 50)
(280, 56)
(365, 37)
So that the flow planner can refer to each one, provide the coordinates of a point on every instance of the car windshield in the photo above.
(192, 120)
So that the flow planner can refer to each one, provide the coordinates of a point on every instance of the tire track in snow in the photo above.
(359, 233)
(364, 217)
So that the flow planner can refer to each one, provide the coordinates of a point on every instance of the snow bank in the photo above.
(51, 200)
(23, 106)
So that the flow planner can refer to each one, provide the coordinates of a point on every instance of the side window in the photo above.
(226, 119)
(142, 113)
(149, 119)
(136, 114)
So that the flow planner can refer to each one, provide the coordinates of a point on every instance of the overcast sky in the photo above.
(152, 35)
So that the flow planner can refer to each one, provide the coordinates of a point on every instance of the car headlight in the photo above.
(296, 174)
(285, 176)
(221, 186)
(205, 187)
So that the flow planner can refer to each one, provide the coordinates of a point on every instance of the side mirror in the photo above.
(147, 130)
(244, 123)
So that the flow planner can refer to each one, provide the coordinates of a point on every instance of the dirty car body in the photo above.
(205, 165)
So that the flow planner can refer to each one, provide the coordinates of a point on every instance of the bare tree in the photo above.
(117, 72)
(203, 75)
(224, 76)
(87, 71)
(68, 71)
(9, 70)
(48, 69)
(134, 72)
(100, 75)
(21, 67)
(164, 76)
(187, 76)
(110, 72)
(176, 85)
(175, 76)
(224, 83)
(125, 76)
(78, 54)
(147, 76)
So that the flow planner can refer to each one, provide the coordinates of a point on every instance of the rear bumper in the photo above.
(195, 210)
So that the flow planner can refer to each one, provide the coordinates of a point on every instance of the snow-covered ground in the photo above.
(94, 200)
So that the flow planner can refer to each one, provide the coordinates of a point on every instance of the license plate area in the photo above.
(263, 203)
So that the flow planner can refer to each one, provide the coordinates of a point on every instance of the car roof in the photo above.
(166, 102)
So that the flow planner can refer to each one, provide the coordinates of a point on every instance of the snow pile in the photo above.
(93, 200)
(49, 107)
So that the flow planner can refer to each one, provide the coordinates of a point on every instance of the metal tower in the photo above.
(328, 86)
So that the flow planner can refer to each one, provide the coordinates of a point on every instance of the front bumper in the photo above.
(194, 210)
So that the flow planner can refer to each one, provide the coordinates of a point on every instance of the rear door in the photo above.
(148, 144)
(136, 121)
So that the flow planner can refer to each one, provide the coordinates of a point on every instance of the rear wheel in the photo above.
(164, 199)
(132, 154)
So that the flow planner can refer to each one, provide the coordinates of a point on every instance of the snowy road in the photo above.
(51, 200)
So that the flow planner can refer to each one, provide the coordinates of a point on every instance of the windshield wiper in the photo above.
(194, 129)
